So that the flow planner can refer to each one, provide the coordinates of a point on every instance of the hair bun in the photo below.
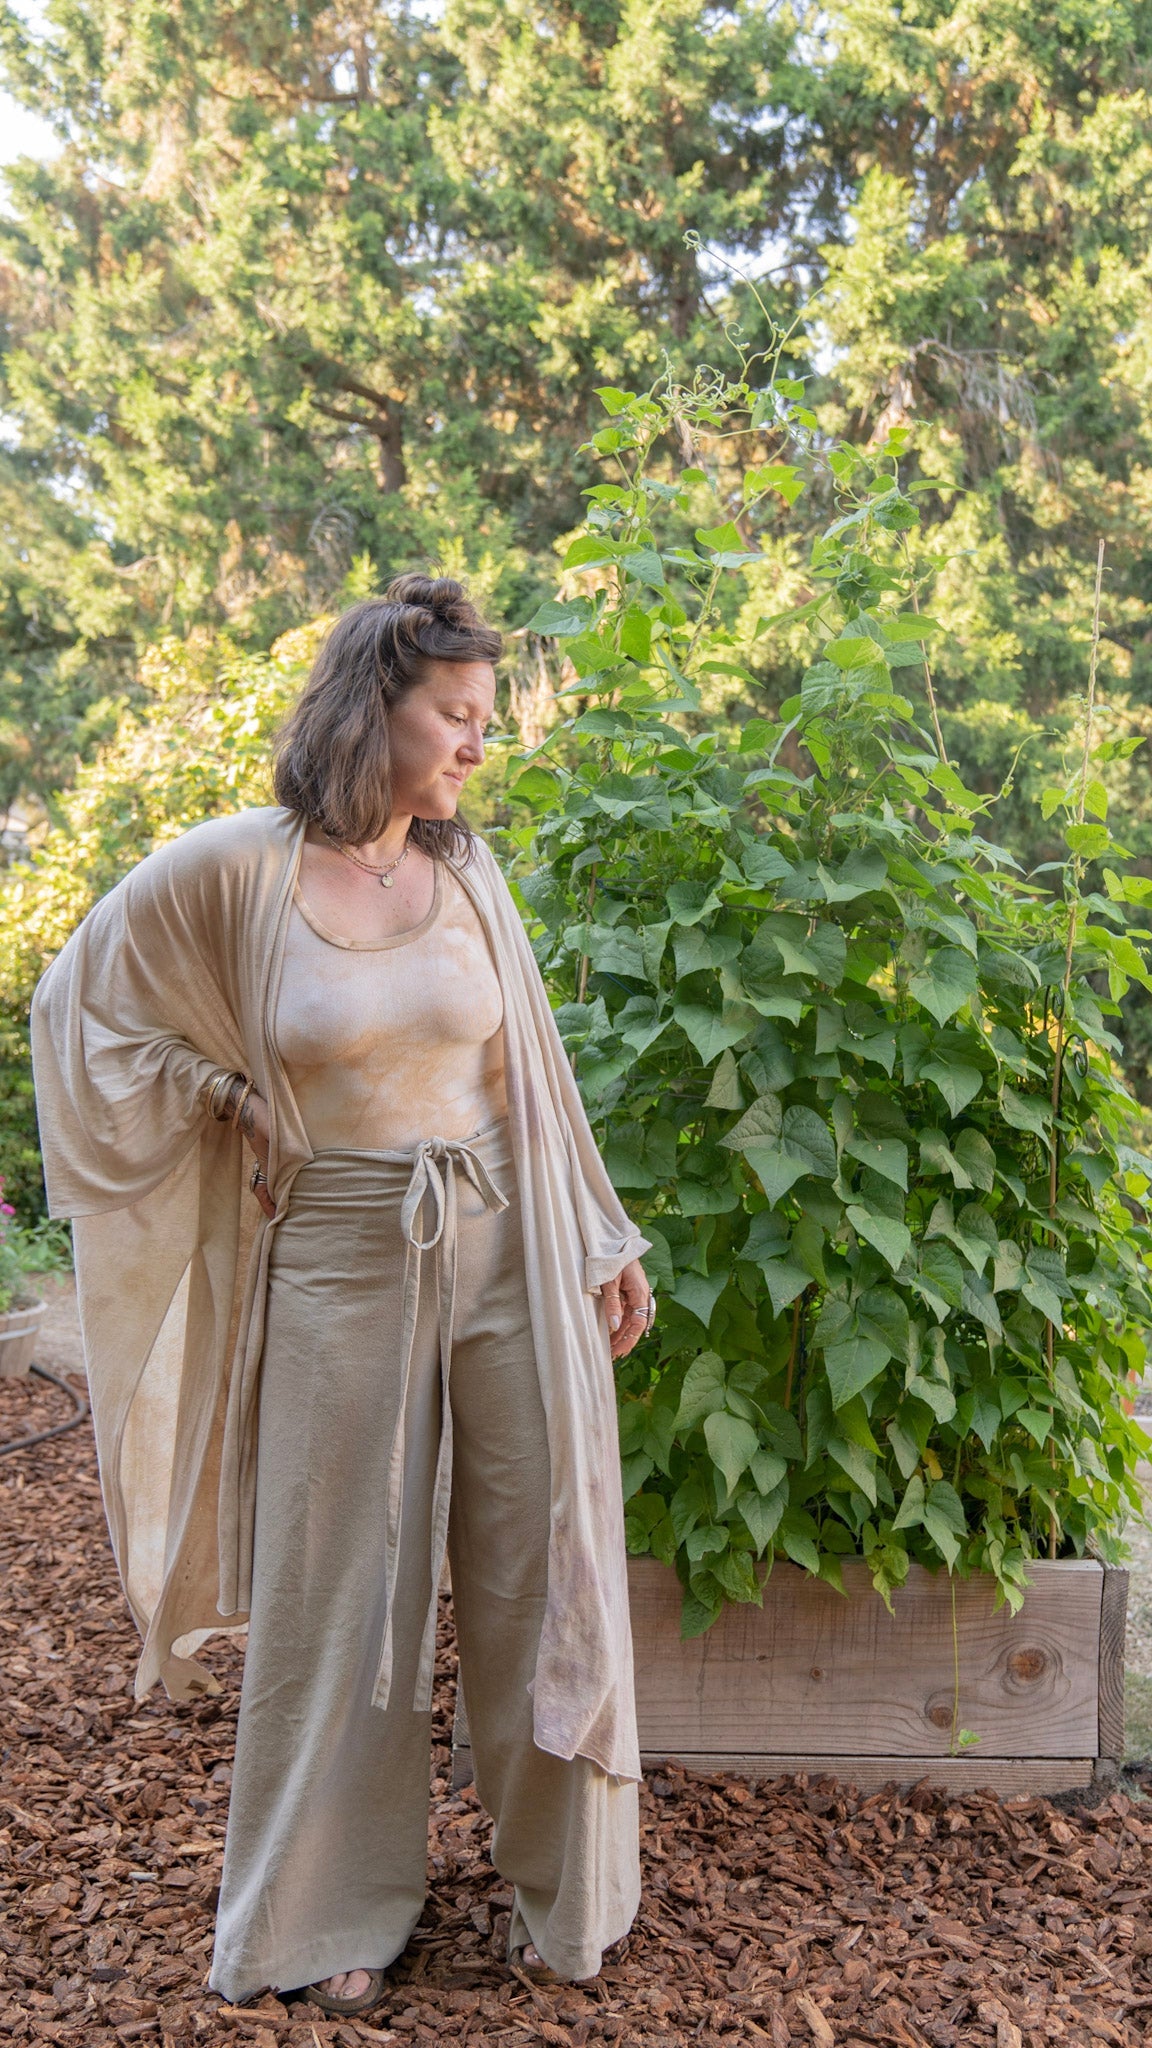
(446, 599)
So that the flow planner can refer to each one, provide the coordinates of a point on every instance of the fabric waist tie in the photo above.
(434, 1166)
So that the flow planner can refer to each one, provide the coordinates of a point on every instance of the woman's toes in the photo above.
(349, 1984)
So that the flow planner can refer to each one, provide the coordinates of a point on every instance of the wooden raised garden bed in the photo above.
(841, 1688)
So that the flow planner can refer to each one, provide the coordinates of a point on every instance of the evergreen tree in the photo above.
(313, 285)
(993, 291)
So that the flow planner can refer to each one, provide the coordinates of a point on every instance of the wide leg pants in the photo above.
(326, 1855)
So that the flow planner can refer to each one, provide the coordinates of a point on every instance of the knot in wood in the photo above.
(1028, 1665)
(940, 1715)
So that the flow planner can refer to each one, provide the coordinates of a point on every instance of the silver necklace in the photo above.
(386, 876)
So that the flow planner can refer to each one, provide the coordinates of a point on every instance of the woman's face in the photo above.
(437, 733)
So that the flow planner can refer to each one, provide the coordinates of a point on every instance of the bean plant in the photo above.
(854, 1072)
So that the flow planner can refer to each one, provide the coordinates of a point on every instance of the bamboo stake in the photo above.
(1073, 919)
(582, 986)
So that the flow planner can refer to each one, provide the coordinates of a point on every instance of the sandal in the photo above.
(347, 2008)
(537, 1973)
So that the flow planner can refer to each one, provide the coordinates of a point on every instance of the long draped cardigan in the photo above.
(172, 1253)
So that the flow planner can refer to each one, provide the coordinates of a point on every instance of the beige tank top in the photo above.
(389, 1041)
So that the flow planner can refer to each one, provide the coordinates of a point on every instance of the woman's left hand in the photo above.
(626, 1306)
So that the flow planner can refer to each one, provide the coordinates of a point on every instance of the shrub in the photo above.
(854, 1073)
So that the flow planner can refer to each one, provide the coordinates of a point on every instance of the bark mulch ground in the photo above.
(783, 1912)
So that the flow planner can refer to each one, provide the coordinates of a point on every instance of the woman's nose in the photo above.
(472, 746)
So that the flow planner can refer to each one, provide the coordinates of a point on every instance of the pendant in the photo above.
(387, 881)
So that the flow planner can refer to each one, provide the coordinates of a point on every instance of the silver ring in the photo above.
(650, 1313)
(257, 1178)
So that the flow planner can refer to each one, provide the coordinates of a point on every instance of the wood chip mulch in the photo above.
(783, 1912)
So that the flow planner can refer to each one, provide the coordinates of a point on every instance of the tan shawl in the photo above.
(171, 1253)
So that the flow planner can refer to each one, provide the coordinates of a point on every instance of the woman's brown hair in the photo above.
(334, 756)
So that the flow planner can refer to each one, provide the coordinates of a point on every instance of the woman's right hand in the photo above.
(254, 1124)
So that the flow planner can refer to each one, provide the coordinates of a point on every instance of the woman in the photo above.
(416, 1313)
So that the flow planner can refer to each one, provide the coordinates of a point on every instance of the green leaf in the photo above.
(1024, 1112)
(892, 1240)
(944, 1514)
(853, 1365)
(805, 1147)
(764, 864)
(936, 1156)
(639, 1024)
(696, 1615)
(645, 565)
(612, 400)
(975, 1234)
(911, 626)
(957, 1082)
(587, 550)
(943, 1274)
(978, 1299)
(687, 1505)
(849, 652)
(688, 902)
(699, 1293)
(762, 1514)
(712, 1031)
(614, 948)
(768, 1468)
(732, 1444)
(706, 1198)
(798, 1545)
(858, 875)
(1088, 842)
(977, 1158)
(822, 952)
(1037, 1421)
(725, 1091)
(784, 1282)
(807, 1137)
(761, 1124)
(885, 1156)
(882, 1313)
(775, 1169)
(1009, 1268)
(1046, 1283)
(727, 538)
(559, 620)
(703, 1390)
(945, 983)
(536, 785)
(934, 1393)
(910, 1514)
(636, 634)
(905, 1449)
(653, 939)
(641, 798)
(634, 1471)
(861, 1469)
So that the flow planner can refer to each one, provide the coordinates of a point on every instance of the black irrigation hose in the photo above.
(24, 1443)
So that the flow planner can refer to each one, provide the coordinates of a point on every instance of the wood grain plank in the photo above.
(857, 1681)
(1113, 1624)
(1031, 1777)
